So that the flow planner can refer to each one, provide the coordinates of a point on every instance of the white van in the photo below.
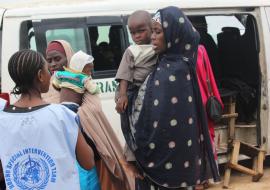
(236, 35)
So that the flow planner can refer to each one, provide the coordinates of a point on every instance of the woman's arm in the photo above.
(1, 175)
(84, 153)
(1, 172)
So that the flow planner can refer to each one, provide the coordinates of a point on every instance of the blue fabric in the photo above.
(72, 107)
(88, 179)
(166, 127)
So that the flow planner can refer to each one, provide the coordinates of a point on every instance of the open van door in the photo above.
(2, 11)
(265, 15)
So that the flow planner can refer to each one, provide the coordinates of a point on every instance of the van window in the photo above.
(32, 39)
(107, 47)
(103, 34)
(215, 24)
(75, 36)
(73, 30)
(131, 42)
(224, 38)
(104, 37)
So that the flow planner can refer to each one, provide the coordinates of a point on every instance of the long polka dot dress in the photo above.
(167, 132)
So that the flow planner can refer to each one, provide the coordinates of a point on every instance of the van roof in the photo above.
(40, 7)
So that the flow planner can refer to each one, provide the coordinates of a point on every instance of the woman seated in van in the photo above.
(75, 80)
(95, 127)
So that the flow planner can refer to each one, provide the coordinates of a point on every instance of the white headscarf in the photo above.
(157, 17)
(79, 60)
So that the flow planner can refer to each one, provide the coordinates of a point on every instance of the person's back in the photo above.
(69, 95)
(41, 142)
(35, 151)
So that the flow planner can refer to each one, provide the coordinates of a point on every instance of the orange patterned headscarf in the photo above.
(55, 46)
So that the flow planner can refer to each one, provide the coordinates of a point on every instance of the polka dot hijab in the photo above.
(170, 137)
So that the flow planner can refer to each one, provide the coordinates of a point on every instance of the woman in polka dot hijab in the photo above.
(167, 131)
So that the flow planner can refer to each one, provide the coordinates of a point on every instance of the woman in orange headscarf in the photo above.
(58, 55)
(95, 126)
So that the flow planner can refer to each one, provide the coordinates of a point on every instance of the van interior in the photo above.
(231, 41)
(233, 49)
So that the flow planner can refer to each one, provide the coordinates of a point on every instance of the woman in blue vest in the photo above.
(42, 141)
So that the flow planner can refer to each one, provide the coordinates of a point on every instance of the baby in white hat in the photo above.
(75, 80)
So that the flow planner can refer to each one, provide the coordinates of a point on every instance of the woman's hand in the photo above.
(121, 103)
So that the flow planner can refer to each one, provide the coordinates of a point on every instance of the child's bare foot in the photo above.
(199, 187)
(204, 185)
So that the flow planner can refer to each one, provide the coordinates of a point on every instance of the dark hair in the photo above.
(141, 15)
(23, 67)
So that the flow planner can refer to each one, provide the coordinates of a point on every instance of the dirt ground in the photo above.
(244, 182)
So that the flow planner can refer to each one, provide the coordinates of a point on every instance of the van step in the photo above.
(245, 133)
(217, 127)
